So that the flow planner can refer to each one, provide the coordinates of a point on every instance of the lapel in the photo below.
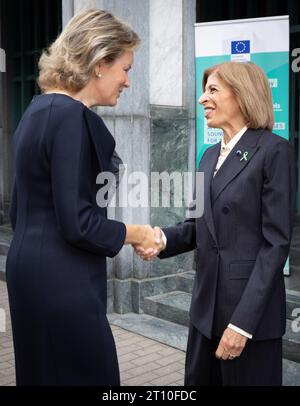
(234, 163)
(207, 166)
(102, 139)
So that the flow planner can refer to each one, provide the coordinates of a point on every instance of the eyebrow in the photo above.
(211, 85)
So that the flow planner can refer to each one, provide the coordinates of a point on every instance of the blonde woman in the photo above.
(237, 311)
(56, 266)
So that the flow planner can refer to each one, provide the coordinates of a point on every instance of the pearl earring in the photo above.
(98, 75)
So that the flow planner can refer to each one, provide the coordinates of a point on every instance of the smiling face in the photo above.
(220, 105)
(114, 78)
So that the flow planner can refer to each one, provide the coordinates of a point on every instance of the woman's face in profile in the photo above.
(220, 103)
(113, 80)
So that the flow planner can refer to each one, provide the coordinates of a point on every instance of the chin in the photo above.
(113, 103)
(211, 124)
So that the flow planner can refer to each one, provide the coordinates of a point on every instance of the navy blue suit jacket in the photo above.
(243, 238)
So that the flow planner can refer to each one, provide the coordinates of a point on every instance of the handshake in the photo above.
(147, 242)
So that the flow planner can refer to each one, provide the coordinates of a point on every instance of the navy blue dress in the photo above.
(56, 265)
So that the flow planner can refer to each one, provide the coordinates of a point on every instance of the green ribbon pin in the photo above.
(244, 157)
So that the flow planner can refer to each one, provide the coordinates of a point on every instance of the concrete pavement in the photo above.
(142, 361)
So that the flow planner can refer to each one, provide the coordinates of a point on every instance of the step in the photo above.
(2, 267)
(148, 326)
(291, 341)
(295, 268)
(172, 306)
(185, 281)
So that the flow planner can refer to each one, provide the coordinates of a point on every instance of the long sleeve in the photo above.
(278, 208)
(81, 222)
(180, 238)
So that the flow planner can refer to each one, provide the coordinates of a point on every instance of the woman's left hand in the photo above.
(231, 345)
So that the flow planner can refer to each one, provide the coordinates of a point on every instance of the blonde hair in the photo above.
(90, 37)
(251, 87)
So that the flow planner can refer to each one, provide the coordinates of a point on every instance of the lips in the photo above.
(209, 112)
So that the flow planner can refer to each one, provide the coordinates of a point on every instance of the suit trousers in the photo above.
(260, 363)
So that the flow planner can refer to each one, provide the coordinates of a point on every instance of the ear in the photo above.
(101, 65)
(98, 67)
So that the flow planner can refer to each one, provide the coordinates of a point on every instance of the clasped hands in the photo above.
(151, 245)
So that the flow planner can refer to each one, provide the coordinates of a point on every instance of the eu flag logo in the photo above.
(240, 47)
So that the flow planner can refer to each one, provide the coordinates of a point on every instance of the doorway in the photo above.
(27, 27)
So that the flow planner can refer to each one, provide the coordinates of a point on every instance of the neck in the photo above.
(80, 96)
(231, 131)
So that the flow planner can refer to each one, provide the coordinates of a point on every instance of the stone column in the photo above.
(172, 98)
(67, 11)
(84, 4)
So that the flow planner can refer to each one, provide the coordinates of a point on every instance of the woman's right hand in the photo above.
(143, 236)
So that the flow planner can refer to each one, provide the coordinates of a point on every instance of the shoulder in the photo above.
(60, 109)
(64, 106)
(277, 150)
(209, 153)
(211, 150)
(272, 141)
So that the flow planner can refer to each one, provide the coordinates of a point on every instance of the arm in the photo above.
(82, 223)
(180, 238)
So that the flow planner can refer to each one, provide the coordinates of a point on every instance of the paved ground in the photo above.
(142, 361)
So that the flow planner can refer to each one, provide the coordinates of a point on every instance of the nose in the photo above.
(203, 98)
(127, 82)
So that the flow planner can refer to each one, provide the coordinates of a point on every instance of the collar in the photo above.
(231, 144)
